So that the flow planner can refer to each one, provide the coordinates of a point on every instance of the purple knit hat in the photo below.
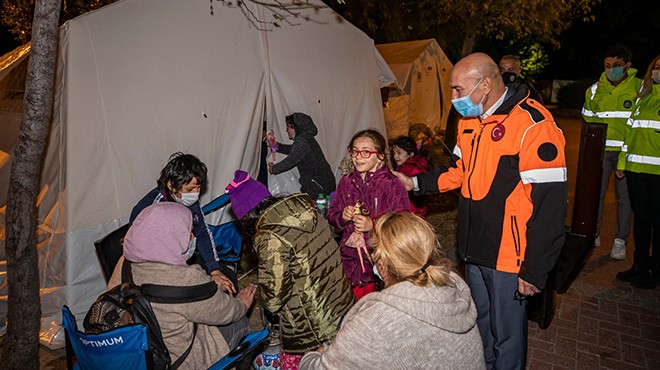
(160, 233)
(245, 193)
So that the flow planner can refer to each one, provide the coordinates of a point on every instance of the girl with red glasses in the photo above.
(362, 195)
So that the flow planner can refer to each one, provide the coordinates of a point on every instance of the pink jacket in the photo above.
(380, 192)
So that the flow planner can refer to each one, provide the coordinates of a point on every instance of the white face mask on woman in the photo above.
(376, 272)
(187, 199)
(655, 75)
(191, 249)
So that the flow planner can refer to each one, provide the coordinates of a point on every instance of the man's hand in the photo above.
(363, 223)
(527, 289)
(348, 213)
(619, 174)
(406, 180)
(270, 167)
(223, 282)
(246, 295)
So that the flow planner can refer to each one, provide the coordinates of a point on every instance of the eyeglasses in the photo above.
(363, 153)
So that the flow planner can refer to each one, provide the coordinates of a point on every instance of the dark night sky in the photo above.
(631, 23)
(7, 42)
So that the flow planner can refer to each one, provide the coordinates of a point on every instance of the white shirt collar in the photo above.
(494, 107)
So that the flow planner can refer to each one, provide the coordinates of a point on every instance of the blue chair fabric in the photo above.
(249, 343)
(227, 238)
(123, 348)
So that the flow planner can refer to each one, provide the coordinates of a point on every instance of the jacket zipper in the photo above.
(473, 160)
(516, 238)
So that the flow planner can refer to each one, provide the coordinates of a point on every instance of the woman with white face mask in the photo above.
(157, 245)
(181, 181)
(640, 161)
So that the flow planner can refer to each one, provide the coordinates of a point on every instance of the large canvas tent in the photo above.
(422, 94)
(140, 79)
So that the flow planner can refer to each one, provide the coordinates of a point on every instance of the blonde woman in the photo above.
(424, 318)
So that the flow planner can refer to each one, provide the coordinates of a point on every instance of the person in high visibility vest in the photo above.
(640, 158)
(610, 101)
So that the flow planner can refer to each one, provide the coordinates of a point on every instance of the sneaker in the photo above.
(597, 241)
(648, 279)
(630, 274)
(618, 249)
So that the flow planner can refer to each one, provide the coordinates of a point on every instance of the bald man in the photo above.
(510, 168)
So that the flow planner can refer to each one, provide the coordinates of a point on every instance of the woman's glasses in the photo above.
(363, 153)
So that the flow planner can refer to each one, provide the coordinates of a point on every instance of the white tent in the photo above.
(422, 95)
(140, 79)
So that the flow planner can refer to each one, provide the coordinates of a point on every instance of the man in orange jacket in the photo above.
(510, 167)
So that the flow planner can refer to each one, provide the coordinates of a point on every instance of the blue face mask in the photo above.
(614, 74)
(465, 107)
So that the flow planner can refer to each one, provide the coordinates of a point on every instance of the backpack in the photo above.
(130, 304)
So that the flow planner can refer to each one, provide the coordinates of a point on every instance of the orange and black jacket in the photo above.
(511, 171)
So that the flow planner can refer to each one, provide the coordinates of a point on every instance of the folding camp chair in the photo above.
(127, 347)
(248, 344)
(228, 240)
(121, 348)
(109, 249)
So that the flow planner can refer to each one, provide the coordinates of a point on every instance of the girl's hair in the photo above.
(180, 170)
(378, 139)
(407, 144)
(410, 250)
(648, 80)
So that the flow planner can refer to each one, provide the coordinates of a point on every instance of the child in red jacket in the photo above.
(410, 162)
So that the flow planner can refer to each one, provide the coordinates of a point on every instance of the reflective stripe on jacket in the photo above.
(641, 149)
(511, 171)
(612, 105)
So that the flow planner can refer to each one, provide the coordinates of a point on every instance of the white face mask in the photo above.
(376, 272)
(191, 249)
(187, 199)
(655, 75)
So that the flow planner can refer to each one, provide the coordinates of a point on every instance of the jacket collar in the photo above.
(371, 176)
(514, 96)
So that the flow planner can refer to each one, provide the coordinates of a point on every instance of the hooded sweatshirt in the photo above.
(407, 327)
(305, 153)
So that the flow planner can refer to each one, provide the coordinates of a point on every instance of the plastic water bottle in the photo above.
(322, 205)
(269, 359)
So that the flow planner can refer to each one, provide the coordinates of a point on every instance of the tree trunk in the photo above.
(468, 42)
(21, 349)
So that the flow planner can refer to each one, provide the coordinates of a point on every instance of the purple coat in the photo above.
(381, 192)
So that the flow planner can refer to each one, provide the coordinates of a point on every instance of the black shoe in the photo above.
(648, 279)
(630, 274)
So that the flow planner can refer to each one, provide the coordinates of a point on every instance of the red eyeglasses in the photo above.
(363, 153)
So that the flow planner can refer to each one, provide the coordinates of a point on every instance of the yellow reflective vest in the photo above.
(611, 105)
(641, 149)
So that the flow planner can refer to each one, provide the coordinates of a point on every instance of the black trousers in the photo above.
(644, 192)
